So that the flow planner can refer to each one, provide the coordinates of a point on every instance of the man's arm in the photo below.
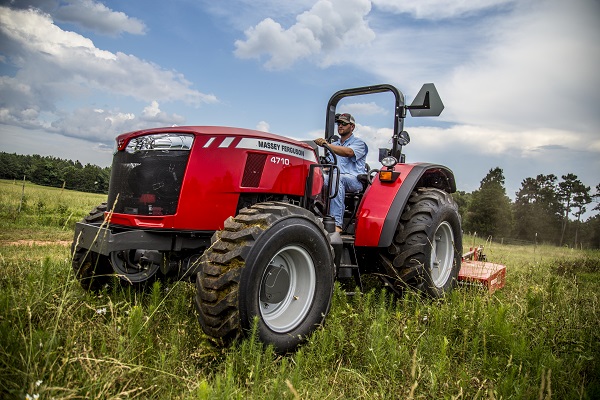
(342, 151)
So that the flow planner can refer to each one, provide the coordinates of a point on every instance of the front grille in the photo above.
(147, 182)
(255, 163)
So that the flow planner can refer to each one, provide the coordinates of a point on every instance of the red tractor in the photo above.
(245, 214)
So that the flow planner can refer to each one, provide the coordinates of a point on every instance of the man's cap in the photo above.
(347, 118)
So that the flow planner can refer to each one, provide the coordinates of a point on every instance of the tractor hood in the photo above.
(167, 178)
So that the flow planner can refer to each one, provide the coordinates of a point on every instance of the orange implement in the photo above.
(489, 275)
(475, 270)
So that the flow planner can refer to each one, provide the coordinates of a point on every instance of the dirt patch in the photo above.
(32, 243)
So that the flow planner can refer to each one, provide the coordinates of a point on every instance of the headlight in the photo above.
(389, 161)
(160, 142)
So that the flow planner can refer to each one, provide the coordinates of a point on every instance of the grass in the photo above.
(537, 338)
(41, 213)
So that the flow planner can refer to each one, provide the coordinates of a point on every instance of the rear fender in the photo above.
(383, 203)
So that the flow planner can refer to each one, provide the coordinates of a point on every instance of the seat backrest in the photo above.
(364, 179)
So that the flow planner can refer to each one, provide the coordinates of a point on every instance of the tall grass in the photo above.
(42, 212)
(536, 338)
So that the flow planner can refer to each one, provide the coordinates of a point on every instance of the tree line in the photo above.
(546, 210)
(56, 172)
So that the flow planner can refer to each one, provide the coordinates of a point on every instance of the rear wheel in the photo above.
(427, 248)
(91, 269)
(273, 262)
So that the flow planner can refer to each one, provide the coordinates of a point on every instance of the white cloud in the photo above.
(103, 126)
(263, 126)
(88, 14)
(99, 18)
(88, 124)
(363, 109)
(242, 13)
(438, 9)
(153, 113)
(490, 141)
(527, 71)
(53, 64)
(468, 140)
(37, 34)
(327, 28)
(151, 110)
(532, 74)
(118, 118)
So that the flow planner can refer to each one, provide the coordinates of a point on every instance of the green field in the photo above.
(537, 338)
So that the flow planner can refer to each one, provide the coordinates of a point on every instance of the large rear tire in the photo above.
(92, 270)
(426, 251)
(272, 261)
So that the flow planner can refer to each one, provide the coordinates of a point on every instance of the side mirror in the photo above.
(427, 102)
(404, 138)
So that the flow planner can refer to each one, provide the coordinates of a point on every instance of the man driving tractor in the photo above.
(352, 153)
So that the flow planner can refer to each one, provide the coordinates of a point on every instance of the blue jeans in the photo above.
(348, 183)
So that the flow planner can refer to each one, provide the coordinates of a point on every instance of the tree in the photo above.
(463, 200)
(538, 210)
(570, 189)
(590, 232)
(580, 200)
(52, 171)
(45, 172)
(489, 212)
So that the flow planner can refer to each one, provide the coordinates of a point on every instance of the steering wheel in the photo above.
(324, 158)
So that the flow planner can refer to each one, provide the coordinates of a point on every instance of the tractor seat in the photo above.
(354, 197)
(351, 202)
(364, 179)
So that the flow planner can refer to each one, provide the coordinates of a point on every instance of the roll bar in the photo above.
(427, 103)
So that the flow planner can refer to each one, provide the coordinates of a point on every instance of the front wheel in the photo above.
(92, 270)
(426, 251)
(272, 262)
(287, 288)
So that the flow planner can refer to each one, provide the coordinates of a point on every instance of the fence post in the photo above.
(22, 196)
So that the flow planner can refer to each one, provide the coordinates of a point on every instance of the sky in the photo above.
(519, 78)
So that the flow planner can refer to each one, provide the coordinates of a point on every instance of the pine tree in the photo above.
(489, 212)
(538, 210)
(573, 194)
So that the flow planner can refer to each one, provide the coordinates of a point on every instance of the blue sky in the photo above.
(518, 79)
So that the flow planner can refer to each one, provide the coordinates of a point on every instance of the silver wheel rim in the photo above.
(296, 290)
(442, 254)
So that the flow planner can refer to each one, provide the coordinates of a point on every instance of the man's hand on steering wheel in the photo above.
(330, 157)
(320, 141)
